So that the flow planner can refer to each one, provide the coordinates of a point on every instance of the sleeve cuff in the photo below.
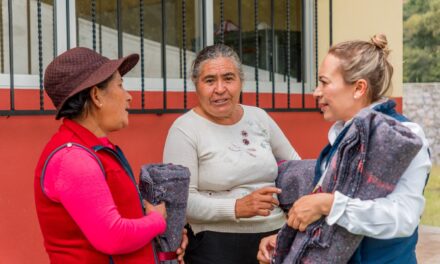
(226, 208)
(338, 208)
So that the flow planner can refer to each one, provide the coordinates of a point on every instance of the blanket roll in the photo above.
(167, 183)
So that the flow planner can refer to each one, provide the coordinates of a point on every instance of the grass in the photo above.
(431, 215)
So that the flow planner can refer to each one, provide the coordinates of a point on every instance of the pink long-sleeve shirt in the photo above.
(74, 178)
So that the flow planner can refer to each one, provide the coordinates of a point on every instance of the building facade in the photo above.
(281, 43)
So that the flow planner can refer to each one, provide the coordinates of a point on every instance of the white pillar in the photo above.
(209, 14)
(63, 33)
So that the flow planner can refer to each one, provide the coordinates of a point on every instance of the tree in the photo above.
(421, 37)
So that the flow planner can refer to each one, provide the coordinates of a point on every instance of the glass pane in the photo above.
(264, 26)
(105, 37)
(106, 34)
(295, 31)
(175, 35)
(25, 36)
(153, 38)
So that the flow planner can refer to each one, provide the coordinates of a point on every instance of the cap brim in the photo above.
(106, 70)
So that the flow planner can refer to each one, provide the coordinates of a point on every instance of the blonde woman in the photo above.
(353, 76)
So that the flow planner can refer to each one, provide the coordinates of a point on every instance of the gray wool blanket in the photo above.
(367, 164)
(167, 183)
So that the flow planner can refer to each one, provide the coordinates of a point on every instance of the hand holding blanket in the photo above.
(167, 183)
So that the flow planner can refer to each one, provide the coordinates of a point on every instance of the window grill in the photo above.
(270, 43)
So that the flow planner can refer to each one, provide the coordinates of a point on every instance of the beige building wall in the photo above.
(361, 19)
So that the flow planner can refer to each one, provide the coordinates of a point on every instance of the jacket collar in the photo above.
(84, 134)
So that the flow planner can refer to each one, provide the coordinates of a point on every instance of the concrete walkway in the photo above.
(428, 247)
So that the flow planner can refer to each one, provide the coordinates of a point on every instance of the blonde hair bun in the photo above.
(381, 42)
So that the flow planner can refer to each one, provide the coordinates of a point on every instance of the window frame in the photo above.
(65, 21)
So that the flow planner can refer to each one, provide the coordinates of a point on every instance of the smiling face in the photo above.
(114, 103)
(218, 89)
(337, 99)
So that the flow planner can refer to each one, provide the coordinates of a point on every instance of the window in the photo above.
(27, 20)
(117, 24)
(256, 35)
(274, 38)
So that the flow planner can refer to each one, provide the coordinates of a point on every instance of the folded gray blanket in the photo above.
(167, 183)
(367, 164)
(296, 177)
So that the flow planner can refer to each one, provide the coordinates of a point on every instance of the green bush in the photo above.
(421, 41)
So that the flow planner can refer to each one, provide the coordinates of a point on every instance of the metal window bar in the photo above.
(316, 40)
(316, 48)
(288, 50)
(11, 56)
(240, 40)
(40, 54)
(163, 53)
(68, 26)
(2, 51)
(303, 64)
(184, 53)
(257, 101)
(28, 24)
(164, 109)
(204, 24)
(93, 14)
(141, 34)
(272, 50)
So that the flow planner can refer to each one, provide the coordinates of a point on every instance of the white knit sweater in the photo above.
(228, 162)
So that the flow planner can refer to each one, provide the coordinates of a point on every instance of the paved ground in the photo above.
(428, 247)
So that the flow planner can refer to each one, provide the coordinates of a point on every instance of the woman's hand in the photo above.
(308, 209)
(160, 208)
(259, 202)
(265, 250)
(181, 250)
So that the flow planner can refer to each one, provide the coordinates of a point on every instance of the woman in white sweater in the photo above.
(230, 150)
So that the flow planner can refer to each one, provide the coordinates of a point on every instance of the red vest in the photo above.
(63, 240)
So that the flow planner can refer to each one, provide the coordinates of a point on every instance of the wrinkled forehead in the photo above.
(219, 65)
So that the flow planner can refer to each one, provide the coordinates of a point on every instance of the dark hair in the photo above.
(213, 52)
(78, 103)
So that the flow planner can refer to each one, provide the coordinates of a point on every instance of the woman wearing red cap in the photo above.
(86, 196)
